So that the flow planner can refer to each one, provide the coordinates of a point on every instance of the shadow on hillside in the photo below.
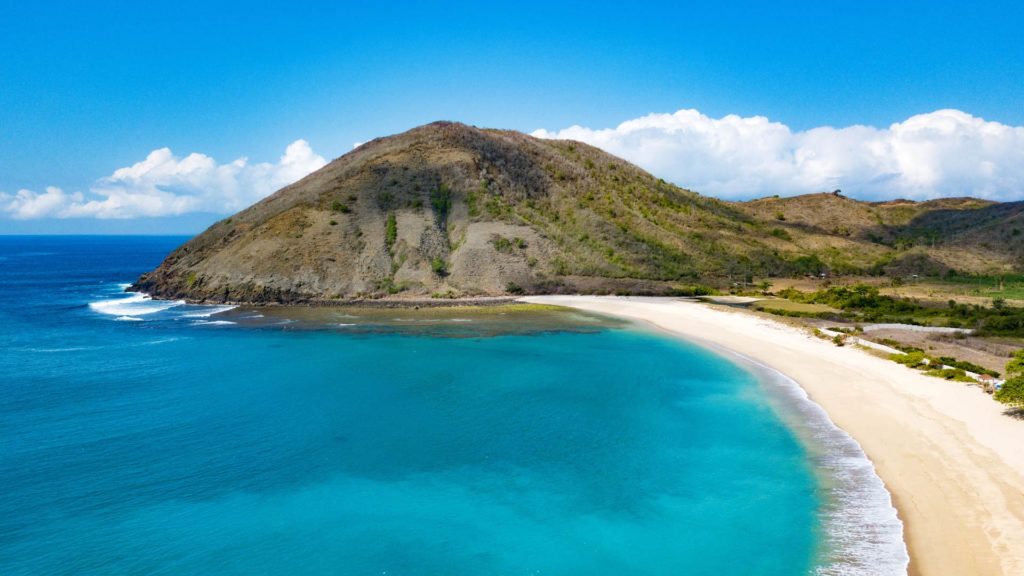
(950, 221)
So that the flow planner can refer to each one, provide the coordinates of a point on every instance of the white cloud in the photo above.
(942, 153)
(165, 185)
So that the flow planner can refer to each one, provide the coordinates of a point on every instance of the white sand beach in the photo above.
(952, 460)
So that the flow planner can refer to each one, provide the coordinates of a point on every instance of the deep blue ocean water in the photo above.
(141, 439)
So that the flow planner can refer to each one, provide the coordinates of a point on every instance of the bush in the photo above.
(899, 345)
(439, 267)
(441, 202)
(502, 244)
(950, 374)
(911, 359)
(1012, 392)
(968, 366)
(339, 207)
(513, 288)
(694, 290)
(391, 231)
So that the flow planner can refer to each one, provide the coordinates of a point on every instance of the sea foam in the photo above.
(207, 312)
(137, 304)
(863, 535)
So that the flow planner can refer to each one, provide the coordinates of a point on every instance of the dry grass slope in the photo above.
(450, 210)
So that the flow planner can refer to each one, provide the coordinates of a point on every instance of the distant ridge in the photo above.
(449, 210)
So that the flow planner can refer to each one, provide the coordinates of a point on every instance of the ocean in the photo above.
(149, 437)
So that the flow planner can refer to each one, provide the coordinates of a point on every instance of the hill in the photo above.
(452, 210)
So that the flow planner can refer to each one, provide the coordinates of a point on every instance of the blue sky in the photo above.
(86, 91)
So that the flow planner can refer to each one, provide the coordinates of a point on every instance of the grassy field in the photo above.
(782, 305)
(962, 289)
(1008, 287)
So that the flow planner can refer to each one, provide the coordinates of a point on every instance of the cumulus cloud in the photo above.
(166, 185)
(942, 153)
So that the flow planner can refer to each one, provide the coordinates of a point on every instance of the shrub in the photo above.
(441, 202)
(911, 359)
(899, 345)
(391, 231)
(501, 244)
(950, 374)
(1012, 392)
(333, 222)
(439, 267)
(513, 288)
(693, 290)
(337, 206)
(968, 366)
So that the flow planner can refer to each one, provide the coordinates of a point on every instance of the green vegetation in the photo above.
(598, 222)
(390, 231)
(692, 290)
(1008, 286)
(441, 202)
(473, 198)
(504, 245)
(968, 366)
(513, 288)
(390, 286)
(439, 266)
(911, 359)
(863, 303)
(796, 309)
(1012, 391)
(949, 374)
(898, 345)
(952, 369)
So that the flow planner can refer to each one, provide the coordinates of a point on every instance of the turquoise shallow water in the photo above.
(180, 443)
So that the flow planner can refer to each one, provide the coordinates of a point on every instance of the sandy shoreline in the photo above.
(952, 461)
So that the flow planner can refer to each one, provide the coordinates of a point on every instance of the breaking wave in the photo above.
(134, 305)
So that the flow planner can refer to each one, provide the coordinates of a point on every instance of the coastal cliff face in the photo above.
(449, 210)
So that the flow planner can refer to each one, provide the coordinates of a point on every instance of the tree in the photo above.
(1016, 364)
(1012, 391)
